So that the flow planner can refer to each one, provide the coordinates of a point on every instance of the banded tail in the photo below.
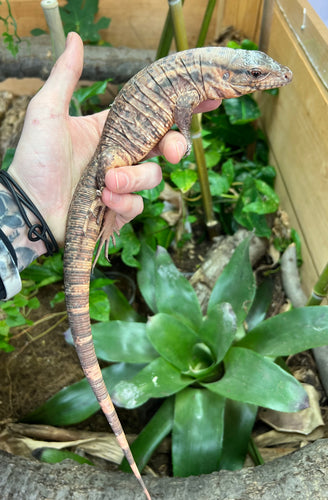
(78, 255)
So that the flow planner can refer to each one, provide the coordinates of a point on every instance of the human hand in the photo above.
(55, 148)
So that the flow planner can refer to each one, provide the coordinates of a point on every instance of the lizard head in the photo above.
(246, 71)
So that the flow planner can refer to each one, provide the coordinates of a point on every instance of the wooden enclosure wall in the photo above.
(296, 124)
(133, 24)
(297, 128)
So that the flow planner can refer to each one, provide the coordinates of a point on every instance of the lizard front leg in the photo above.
(183, 112)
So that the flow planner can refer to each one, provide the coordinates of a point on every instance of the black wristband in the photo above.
(36, 232)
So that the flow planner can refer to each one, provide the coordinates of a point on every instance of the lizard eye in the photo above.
(256, 73)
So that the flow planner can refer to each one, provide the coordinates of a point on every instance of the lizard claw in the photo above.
(106, 234)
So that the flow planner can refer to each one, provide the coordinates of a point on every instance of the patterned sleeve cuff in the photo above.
(10, 281)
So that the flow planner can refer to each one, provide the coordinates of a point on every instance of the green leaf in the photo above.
(251, 378)
(174, 294)
(158, 379)
(241, 110)
(239, 420)
(99, 305)
(236, 284)
(8, 158)
(248, 45)
(151, 435)
(38, 32)
(122, 341)
(157, 231)
(184, 179)
(54, 456)
(267, 200)
(219, 184)
(152, 194)
(250, 220)
(145, 276)
(77, 402)
(97, 88)
(218, 329)
(49, 271)
(290, 332)
(273, 92)
(233, 45)
(261, 304)
(228, 170)
(5, 346)
(119, 305)
(78, 15)
(197, 432)
(173, 340)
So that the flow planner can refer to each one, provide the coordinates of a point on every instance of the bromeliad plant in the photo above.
(209, 372)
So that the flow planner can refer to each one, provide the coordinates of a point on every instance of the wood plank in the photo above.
(296, 124)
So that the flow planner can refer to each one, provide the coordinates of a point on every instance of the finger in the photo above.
(208, 105)
(66, 72)
(173, 146)
(127, 206)
(128, 179)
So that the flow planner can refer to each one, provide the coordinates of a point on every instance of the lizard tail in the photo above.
(79, 248)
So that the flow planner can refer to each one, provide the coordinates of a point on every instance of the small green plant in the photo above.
(79, 16)
(210, 372)
(10, 35)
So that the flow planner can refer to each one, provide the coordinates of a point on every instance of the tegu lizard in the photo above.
(164, 93)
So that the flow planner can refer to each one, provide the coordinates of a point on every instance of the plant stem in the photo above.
(196, 131)
(206, 22)
(51, 13)
(166, 37)
(320, 289)
(254, 453)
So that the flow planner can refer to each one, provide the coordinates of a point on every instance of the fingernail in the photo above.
(69, 36)
(181, 148)
(119, 179)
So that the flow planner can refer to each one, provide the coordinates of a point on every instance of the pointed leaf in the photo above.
(77, 402)
(290, 332)
(54, 456)
(159, 379)
(145, 276)
(236, 284)
(174, 293)
(260, 306)
(253, 379)
(239, 420)
(173, 340)
(197, 432)
(184, 179)
(218, 329)
(122, 341)
(151, 435)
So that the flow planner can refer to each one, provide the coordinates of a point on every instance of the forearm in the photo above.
(16, 230)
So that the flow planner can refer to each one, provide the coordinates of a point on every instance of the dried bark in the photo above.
(34, 59)
(303, 474)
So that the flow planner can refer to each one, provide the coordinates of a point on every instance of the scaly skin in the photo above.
(164, 93)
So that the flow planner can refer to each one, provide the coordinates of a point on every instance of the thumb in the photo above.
(66, 72)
